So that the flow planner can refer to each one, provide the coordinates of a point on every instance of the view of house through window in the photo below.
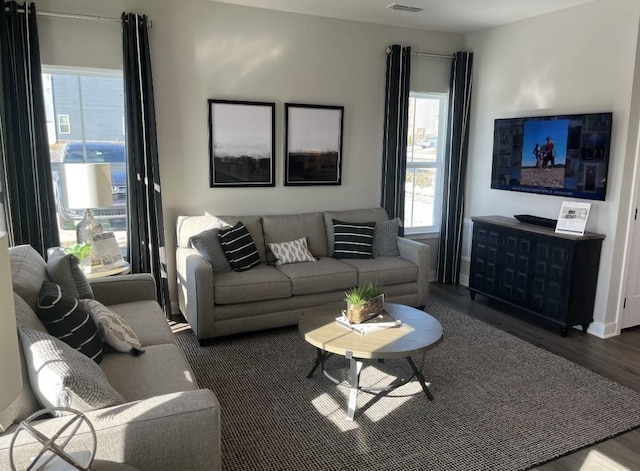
(85, 115)
(425, 154)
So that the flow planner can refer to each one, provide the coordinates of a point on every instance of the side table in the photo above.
(101, 272)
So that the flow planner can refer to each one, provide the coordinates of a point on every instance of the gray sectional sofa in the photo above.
(218, 303)
(165, 423)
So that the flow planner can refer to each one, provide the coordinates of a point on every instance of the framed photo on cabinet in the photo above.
(241, 143)
(313, 144)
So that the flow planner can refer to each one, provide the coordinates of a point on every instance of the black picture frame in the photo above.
(241, 143)
(313, 144)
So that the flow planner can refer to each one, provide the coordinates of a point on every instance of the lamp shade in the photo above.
(11, 382)
(88, 185)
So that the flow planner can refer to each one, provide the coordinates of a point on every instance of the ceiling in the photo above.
(455, 16)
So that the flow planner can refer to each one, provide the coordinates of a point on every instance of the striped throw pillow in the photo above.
(239, 248)
(352, 239)
(294, 251)
(63, 318)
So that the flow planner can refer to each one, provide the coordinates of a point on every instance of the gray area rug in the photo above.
(500, 404)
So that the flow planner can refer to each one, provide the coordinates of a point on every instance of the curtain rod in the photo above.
(429, 54)
(77, 17)
(74, 16)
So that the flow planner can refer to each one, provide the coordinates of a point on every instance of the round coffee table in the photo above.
(418, 333)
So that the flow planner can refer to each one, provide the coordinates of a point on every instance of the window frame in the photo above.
(67, 124)
(438, 165)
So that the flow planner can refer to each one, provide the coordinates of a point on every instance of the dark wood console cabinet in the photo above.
(552, 276)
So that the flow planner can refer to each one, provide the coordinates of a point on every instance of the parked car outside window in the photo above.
(114, 153)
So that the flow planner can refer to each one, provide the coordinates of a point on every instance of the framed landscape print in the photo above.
(241, 143)
(313, 144)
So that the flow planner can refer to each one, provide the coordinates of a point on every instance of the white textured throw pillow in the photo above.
(114, 329)
(63, 377)
(294, 251)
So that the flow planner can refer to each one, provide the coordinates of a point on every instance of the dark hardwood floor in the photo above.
(616, 358)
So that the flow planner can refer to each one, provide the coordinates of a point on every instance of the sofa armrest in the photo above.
(420, 254)
(151, 434)
(119, 289)
(196, 289)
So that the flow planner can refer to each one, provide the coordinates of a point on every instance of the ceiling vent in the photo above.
(397, 6)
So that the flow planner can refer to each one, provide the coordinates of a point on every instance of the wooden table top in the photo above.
(418, 333)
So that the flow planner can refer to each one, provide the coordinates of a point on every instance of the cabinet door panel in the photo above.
(484, 259)
(549, 277)
(516, 266)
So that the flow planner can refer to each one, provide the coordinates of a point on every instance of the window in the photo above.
(94, 100)
(425, 156)
(64, 125)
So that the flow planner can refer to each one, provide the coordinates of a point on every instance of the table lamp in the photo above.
(88, 186)
(11, 383)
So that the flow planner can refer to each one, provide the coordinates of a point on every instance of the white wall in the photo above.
(203, 49)
(572, 61)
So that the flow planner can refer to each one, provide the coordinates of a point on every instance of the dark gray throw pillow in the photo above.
(64, 270)
(239, 248)
(66, 320)
(208, 246)
(385, 238)
(352, 239)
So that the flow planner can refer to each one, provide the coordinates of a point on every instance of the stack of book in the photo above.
(379, 322)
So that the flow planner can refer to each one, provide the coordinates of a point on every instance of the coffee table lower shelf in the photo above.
(355, 368)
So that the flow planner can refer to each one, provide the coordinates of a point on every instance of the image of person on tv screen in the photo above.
(539, 154)
(549, 159)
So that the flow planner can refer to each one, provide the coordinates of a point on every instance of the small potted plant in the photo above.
(81, 252)
(363, 302)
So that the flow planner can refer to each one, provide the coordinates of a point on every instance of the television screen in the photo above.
(564, 155)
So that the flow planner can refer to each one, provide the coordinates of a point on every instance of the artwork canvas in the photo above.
(241, 143)
(313, 144)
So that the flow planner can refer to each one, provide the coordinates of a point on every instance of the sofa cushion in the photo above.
(239, 248)
(295, 251)
(25, 316)
(64, 270)
(384, 271)
(113, 329)
(295, 226)
(28, 271)
(63, 377)
(322, 276)
(385, 238)
(162, 369)
(352, 239)
(260, 283)
(208, 247)
(63, 318)
(354, 215)
(147, 320)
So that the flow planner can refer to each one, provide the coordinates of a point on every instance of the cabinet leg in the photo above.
(563, 331)
(473, 295)
(584, 328)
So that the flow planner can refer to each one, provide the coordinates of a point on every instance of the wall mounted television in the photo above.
(563, 155)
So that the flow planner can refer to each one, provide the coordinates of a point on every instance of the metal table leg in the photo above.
(418, 374)
(319, 359)
(355, 366)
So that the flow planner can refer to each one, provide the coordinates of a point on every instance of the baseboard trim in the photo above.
(602, 330)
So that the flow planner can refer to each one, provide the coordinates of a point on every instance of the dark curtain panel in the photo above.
(146, 227)
(28, 198)
(396, 114)
(455, 168)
